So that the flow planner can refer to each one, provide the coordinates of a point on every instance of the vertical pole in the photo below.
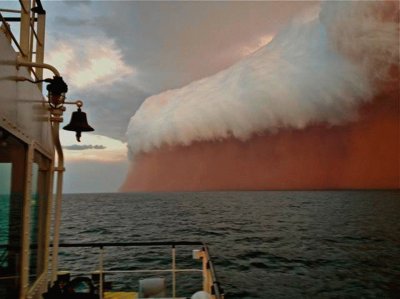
(57, 220)
(41, 24)
(48, 215)
(56, 118)
(31, 35)
(25, 224)
(101, 273)
(173, 272)
(24, 27)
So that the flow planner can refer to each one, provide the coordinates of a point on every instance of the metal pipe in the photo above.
(10, 10)
(150, 271)
(21, 62)
(122, 244)
(215, 283)
(56, 119)
(31, 35)
(40, 45)
(48, 216)
(34, 33)
(24, 27)
(101, 273)
(15, 19)
(173, 271)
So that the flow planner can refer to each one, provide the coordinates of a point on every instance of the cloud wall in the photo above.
(359, 155)
(315, 71)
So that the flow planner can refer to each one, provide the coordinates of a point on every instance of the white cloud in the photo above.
(260, 42)
(89, 63)
(315, 71)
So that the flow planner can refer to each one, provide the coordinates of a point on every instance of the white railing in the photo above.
(210, 282)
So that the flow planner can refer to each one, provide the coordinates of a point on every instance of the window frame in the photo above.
(32, 150)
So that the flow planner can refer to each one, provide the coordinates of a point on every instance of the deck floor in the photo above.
(120, 295)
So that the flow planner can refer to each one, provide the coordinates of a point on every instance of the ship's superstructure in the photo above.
(26, 155)
(31, 172)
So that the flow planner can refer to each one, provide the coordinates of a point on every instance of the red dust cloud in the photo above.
(301, 92)
(360, 155)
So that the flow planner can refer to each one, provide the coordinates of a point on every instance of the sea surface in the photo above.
(331, 244)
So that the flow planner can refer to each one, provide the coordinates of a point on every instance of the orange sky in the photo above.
(360, 155)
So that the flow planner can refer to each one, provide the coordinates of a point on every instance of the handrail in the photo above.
(114, 244)
(9, 32)
(36, 35)
(215, 282)
(127, 244)
(216, 289)
(10, 10)
(25, 43)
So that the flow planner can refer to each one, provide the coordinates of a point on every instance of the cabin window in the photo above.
(38, 215)
(12, 183)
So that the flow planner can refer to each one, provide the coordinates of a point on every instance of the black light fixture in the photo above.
(57, 89)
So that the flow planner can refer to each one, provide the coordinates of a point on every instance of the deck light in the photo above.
(57, 89)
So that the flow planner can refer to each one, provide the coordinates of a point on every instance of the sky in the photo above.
(115, 54)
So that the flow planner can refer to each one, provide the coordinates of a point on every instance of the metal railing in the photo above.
(31, 41)
(210, 282)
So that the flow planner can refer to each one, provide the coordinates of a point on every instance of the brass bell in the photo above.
(78, 124)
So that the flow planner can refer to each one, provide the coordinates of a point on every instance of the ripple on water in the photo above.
(264, 244)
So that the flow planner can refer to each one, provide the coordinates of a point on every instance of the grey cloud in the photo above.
(77, 2)
(77, 147)
(109, 109)
(175, 43)
(74, 22)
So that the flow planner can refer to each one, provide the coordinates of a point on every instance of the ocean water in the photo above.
(331, 244)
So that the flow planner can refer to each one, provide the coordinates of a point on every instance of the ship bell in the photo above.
(78, 124)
